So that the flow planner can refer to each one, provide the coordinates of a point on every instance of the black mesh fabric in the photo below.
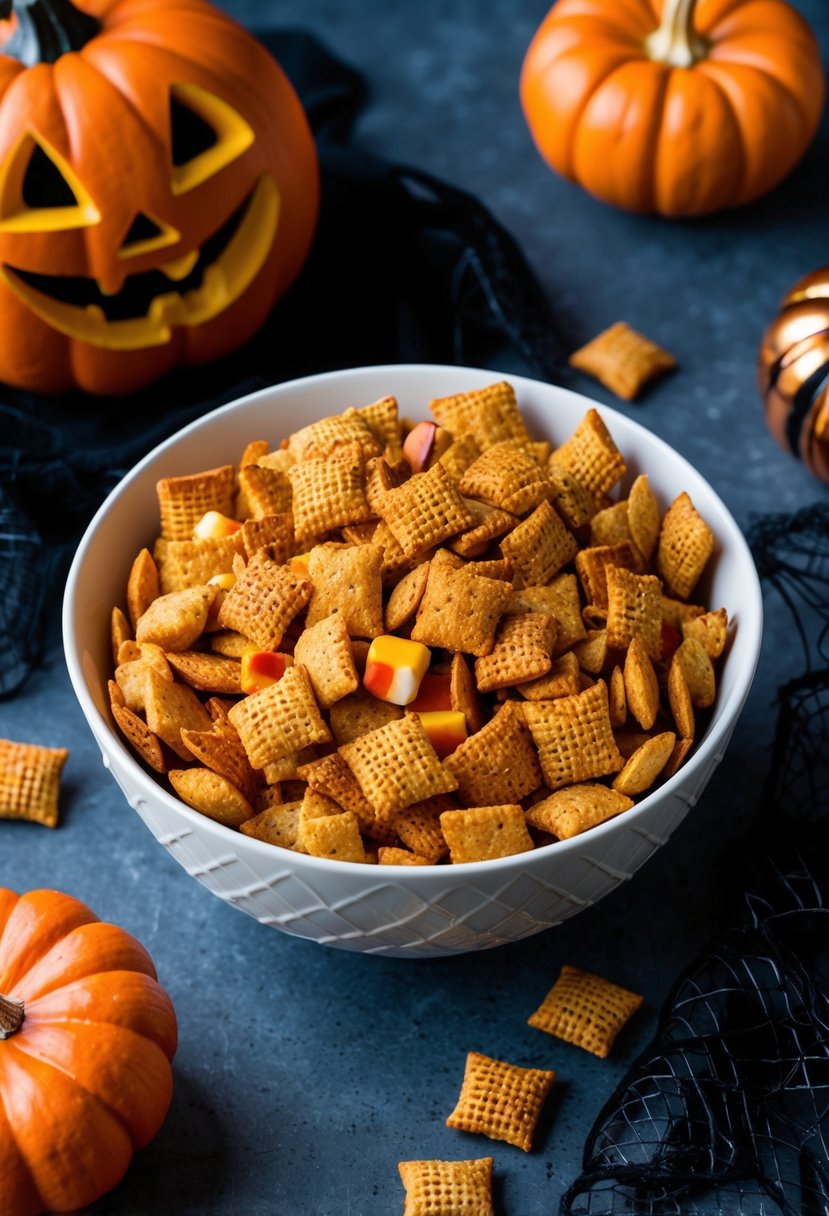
(404, 268)
(728, 1108)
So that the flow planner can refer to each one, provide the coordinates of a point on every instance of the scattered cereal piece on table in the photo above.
(30, 781)
(441, 1188)
(586, 1010)
(500, 1100)
(623, 360)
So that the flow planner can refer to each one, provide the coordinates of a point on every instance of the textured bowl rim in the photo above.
(416, 876)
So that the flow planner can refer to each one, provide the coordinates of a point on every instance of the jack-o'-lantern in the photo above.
(793, 373)
(158, 190)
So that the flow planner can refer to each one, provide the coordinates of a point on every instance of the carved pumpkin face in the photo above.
(158, 192)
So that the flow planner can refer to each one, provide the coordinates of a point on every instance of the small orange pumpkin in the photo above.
(158, 190)
(707, 107)
(793, 373)
(86, 1040)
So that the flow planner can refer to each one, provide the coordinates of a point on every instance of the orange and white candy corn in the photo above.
(394, 669)
(214, 525)
(446, 729)
(260, 668)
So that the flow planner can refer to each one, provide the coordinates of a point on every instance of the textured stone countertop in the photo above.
(305, 1074)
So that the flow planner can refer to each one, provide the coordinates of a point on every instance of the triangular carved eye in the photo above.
(205, 135)
(40, 192)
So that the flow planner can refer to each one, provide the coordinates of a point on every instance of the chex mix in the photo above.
(417, 644)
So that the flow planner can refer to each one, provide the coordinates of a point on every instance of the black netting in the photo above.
(728, 1109)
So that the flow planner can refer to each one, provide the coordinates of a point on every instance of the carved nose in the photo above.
(142, 229)
(146, 233)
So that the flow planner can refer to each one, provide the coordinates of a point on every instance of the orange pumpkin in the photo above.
(158, 190)
(793, 373)
(704, 107)
(86, 1040)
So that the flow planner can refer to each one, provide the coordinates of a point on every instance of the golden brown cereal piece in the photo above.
(496, 567)
(698, 671)
(319, 439)
(281, 719)
(275, 825)
(644, 766)
(264, 600)
(436, 1188)
(685, 545)
(463, 694)
(586, 1010)
(591, 651)
(388, 856)
(678, 614)
(206, 672)
(221, 750)
(347, 580)
(418, 826)
(482, 832)
(140, 737)
(262, 492)
(314, 806)
(459, 456)
(591, 456)
(211, 794)
(383, 420)
(574, 503)
(574, 736)
(329, 491)
(610, 525)
(360, 713)
(254, 451)
(562, 680)
(30, 781)
(382, 477)
(623, 360)
(500, 1100)
(183, 501)
(490, 414)
(641, 687)
(644, 520)
(324, 650)
(592, 565)
(491, 522)
(116, 697)
(677, 757)
(498, 764)
(460, 611)
(396, 765)
(170, 708)
(425, 511)
(142, 585)
(405, 597)
(360, 534)
(130, 675)
(710, 630)
(561, 599)
(633, 610)
(331, 776)
(174, 621)
(679, 699)
(617, 699)
(569, 812)
(507, 476)
(275, 533)
(337, 836)
(628, 740)
(192, 563)
(229, 643)
(284, 769)
(539, 546)
(119, 631)
(393, 560)
(522, 651)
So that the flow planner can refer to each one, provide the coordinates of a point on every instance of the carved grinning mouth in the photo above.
(144, 312)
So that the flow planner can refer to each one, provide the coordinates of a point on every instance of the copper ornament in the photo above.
(793, 373)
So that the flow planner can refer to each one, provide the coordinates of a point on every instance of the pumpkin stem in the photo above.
(44, 30)
(11, 1016)
(675, 41)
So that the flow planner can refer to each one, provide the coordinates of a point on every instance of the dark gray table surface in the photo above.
(305, 1074)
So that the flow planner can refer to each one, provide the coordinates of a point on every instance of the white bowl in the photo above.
(411, 912)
